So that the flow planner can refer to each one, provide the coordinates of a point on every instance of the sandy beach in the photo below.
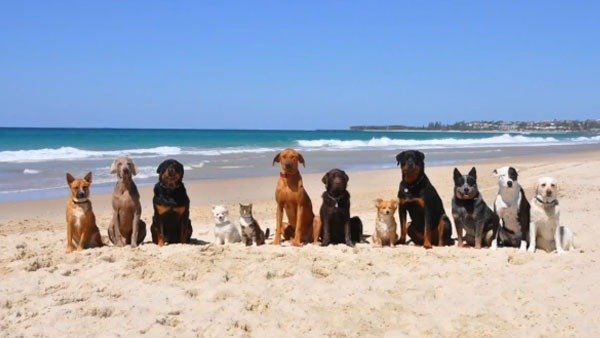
(233, 290)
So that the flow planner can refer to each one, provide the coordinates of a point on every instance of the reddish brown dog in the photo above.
(291, 197)
(81, 222)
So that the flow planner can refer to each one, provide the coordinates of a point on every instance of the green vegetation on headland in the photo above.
(502, 126)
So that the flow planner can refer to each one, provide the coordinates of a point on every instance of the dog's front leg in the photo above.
(297, 241)
(347, 233)
(558, 240)
(478, 233)
(427, 232)
(83, 239)
(459, 230)
(119, 240)
(402, 214)
(70, 246)
(279, 226)
(135, 230)
(532, 237)
(161, 233)
(326, 234)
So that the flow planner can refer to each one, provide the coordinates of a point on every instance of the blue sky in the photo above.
(295, 64)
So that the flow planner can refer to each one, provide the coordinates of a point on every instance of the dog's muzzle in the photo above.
(509, 184)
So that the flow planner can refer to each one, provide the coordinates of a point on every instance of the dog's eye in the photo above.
(553, 185)
(543, 185)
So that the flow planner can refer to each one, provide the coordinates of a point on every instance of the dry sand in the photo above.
(232, 290)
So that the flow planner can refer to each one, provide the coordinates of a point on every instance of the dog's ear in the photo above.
(161, 168)
(70, 178)
(473, 173)
(134, 168)
(495, 172)
(276, 158)
(378, 202)
(325, 178)
(113, 166)
(213, 208)
(346, 176)
(395, 203)
(420, 155)
(399, 157)
(457, 174)
(301, 160)
(180, 169)
(88, 177)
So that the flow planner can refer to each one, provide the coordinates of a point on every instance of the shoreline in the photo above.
(10, 209)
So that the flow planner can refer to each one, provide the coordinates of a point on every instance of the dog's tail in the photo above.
(267, 233)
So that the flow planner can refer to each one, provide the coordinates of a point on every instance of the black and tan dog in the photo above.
(171, 222)
(336, 224)
(429, 224)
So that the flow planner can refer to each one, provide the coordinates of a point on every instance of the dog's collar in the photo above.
(335, 199)
(408, 186)
(169, 188)
(289, 175)
(80, 202)
(553, 202)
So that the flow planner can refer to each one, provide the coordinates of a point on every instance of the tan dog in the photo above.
(291, 197)
(126, 226)
(81, 222)
(385, 224)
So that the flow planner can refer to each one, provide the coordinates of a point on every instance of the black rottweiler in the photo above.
(336, 224)
(429, 224)
(470, 212)
(171, 221)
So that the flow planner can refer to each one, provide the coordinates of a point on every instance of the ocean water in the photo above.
(33, 162)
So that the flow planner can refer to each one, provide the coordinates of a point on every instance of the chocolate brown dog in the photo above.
(171, 222)
(429, 224)
(336, 225)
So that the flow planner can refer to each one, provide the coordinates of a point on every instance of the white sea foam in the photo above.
(386, 142)
(30, 171)
(71, 153)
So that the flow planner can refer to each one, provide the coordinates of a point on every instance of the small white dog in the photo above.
(225, 231)
(546, 232)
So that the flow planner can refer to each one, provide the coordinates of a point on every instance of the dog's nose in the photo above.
(548, 193)
(466, 190)
(80, 194)
(509, 183)
(387, 212)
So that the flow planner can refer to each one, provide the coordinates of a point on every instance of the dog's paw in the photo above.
(350, 244)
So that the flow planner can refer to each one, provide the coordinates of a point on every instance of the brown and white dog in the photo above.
(291, 197)
(81, 222)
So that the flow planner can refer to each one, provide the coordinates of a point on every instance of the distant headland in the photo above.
(496, 126)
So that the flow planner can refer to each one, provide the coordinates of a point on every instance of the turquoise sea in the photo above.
(33, 161)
